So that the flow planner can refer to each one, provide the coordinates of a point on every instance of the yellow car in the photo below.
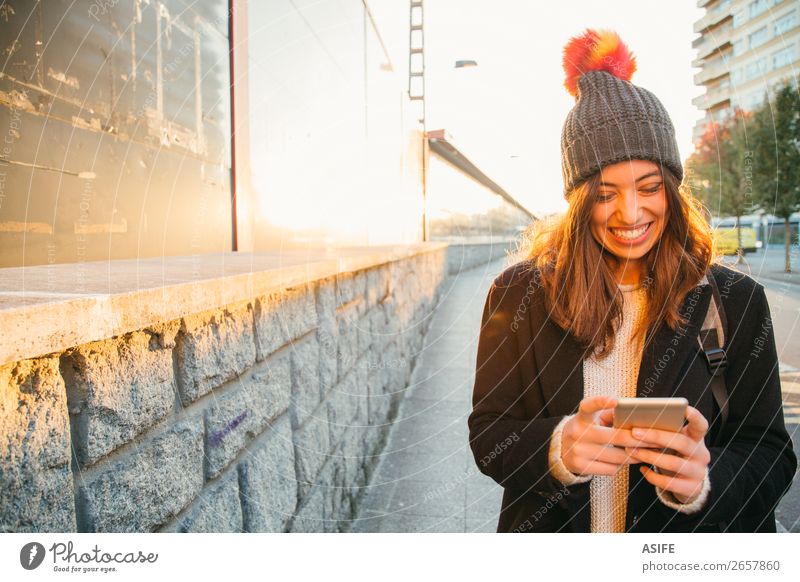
(726, 239)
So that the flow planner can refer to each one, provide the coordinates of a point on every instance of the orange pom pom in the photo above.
(596, 50)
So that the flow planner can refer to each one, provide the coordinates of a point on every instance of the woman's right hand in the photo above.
(589, 443)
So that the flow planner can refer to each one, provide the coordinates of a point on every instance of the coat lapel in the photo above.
(559, 359)
(665, 360)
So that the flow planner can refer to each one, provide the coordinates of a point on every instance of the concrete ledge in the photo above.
(49, 308)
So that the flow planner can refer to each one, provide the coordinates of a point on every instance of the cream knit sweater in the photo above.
(615, 375)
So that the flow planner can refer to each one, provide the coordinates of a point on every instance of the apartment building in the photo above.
(744, 48)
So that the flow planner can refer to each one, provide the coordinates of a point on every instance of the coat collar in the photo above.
(560, 360)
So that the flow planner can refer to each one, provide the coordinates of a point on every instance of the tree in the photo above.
(720, 170)
(776, 166)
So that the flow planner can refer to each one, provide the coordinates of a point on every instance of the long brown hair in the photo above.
(581, 291)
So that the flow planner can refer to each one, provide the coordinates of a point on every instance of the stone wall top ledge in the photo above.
(50, 308)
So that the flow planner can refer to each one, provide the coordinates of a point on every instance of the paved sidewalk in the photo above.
(427, 479)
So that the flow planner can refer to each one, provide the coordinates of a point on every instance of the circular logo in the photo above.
(31, 555)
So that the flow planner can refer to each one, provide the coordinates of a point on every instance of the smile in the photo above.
(628, 236)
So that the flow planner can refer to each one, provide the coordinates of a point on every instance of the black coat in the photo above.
(529, 375)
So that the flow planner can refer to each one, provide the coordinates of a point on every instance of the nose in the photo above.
(628, 207)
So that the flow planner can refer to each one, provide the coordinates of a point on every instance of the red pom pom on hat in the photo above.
(596, 50)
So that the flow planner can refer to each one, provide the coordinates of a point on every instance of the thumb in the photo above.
(697, 426)
(606, 417)
(589, 406)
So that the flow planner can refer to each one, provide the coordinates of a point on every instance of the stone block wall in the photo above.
(267, 415)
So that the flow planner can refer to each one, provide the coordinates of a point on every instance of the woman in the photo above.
(609, 303)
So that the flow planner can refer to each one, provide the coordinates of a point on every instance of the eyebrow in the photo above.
(650, 175)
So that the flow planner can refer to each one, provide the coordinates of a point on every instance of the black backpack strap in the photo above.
(712, 340)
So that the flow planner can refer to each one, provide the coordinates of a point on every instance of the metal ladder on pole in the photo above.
(416, 92)
(416, 57)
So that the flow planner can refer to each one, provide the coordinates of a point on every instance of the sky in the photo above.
(506, 114)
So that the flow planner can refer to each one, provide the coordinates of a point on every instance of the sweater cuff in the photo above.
(557, 467)
(669, 499)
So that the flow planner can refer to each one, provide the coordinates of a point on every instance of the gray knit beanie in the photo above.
(613, 120)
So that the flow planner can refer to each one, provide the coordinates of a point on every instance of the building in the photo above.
(745, 47)
(140, 129)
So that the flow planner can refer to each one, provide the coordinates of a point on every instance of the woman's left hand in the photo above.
(688, 465)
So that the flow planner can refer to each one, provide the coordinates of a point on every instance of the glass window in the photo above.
(123, 146)
(720, 114)
(722, 5)
(739, 18)
(758, 7)
(758, 37)
(785, 23)
(738, 48)
(754, 99)
(335, 149)
(783, 57)
(755, 68)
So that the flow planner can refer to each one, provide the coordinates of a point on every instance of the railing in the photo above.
(716, 68)
(712, 98)
(710, 19)
(714, 41)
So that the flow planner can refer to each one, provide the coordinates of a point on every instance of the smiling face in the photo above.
(629, 214)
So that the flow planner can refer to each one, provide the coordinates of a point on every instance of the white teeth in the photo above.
(630, 234)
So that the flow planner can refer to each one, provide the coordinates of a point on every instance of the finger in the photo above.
(604, 453)
(680, 466)
(600, 468)
(606, 417)
(595, 433)
(681, 486)
(697, 427)
(589, 406)
(666, 439)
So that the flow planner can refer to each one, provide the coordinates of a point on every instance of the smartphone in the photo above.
(659, 413)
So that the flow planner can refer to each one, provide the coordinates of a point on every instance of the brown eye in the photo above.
(652, 189)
